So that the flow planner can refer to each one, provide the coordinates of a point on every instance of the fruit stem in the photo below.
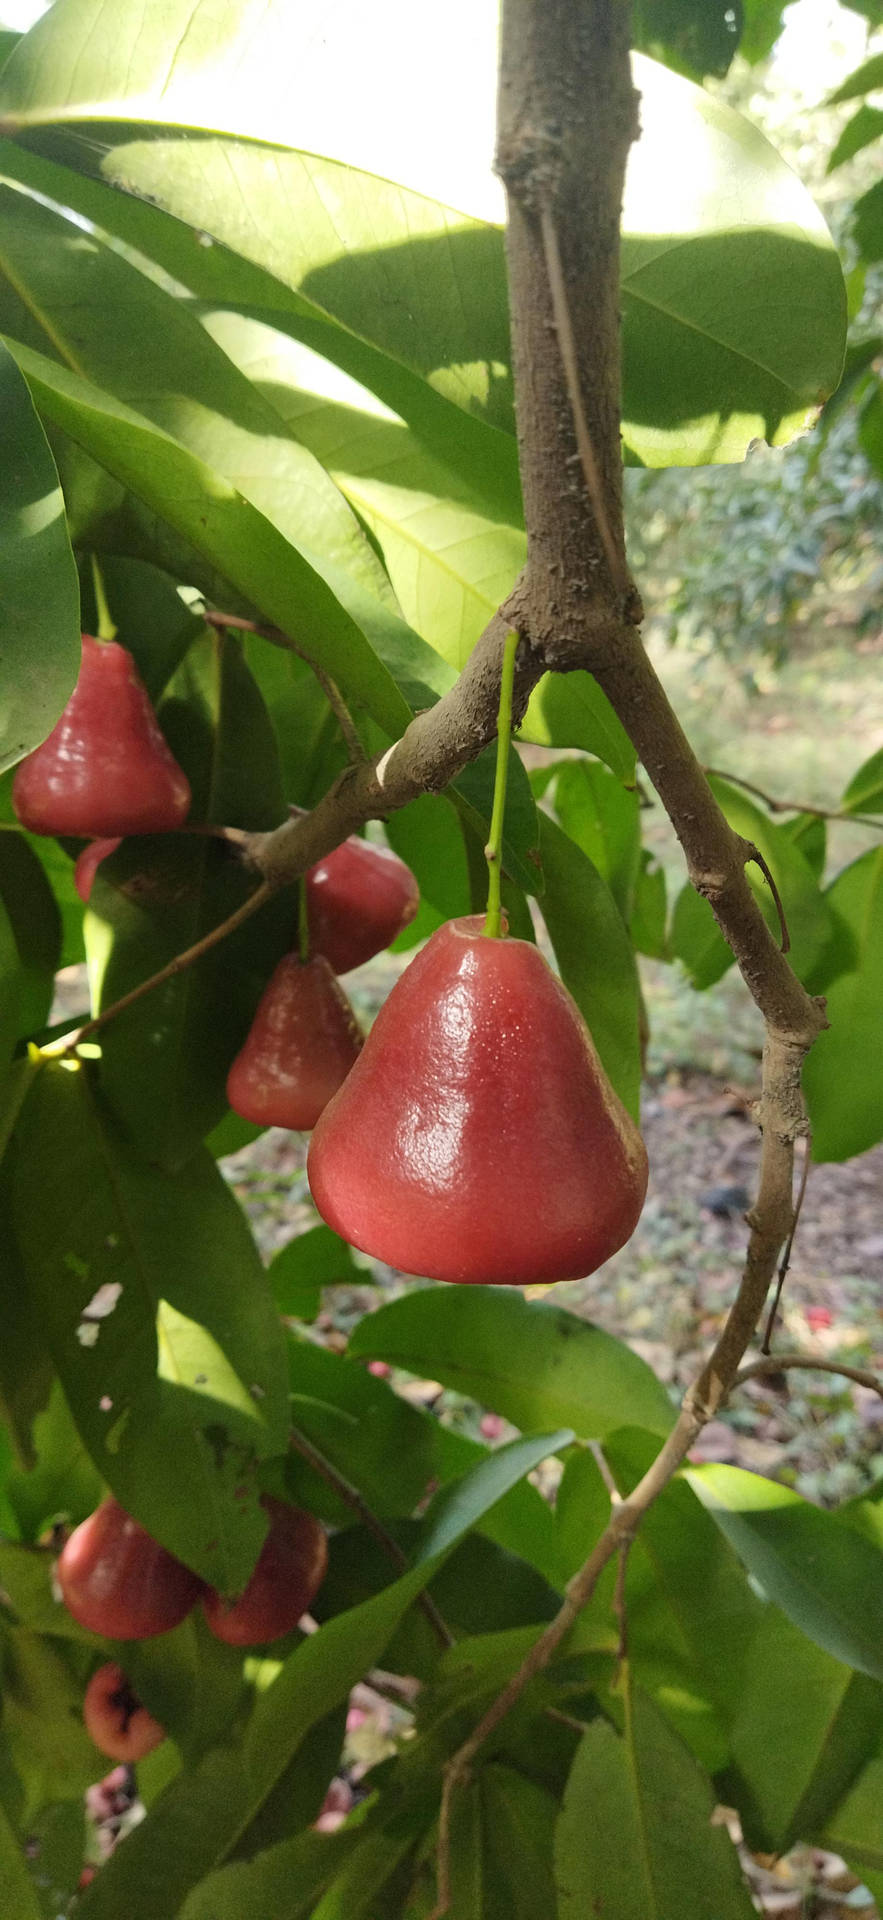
(493, 925)
(106, 627)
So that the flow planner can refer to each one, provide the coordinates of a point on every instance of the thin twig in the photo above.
(785, 1261)
(784, 1362)
(755, 858)
(181, 961)
(353, 1499)
(567, 349)
(329, 687)
(794, 806)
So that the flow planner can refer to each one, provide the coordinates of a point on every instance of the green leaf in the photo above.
(18, 1895)
(695, 37)
(602, 816)
(690, 302)
(855, 1828)
(450, 560)
(62, 1483)
(569, 710)
(315, 1259)
(285, 1881)
(473, 793)
(35, 925)
(868, 223)
(696, 940)
(864, 79)
(841, 1075)
(634, 1839)
(501, 1848)
(43, 1727)
(647, 926)
(595, 956)
(387, 1840)
(824, 1576)
(865, 126)
(203, 506)
(428, 836)
(535, 1363)
(716, 1617)
(805, 1728)
(39, 597)
(164, 1062)
(183, 1355)
(458, 1505)
(864, 794)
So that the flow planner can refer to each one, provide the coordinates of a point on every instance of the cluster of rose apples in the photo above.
(475, 1136)
(119, 1582)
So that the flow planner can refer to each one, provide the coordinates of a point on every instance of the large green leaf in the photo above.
(603, 817)
(634, 1839)
(35, 924)
(18, 1894)
(155, 1307)
(501, 1849)
(535, 1363)
(856, 1828)
(708, 364)
(717, 1616)
(449, 561)
(595, 956)
(201, 504)
(79, 300)
(825, 1577)
(842, 1073)
(285, 1881)
(39, 596)
(805, 1727)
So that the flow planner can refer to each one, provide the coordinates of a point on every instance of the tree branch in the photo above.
(795, 806)
(353, 1499)
(329, 687)
(773, 1363)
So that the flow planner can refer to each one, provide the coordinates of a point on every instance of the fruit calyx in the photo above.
(105, 768)
(478, 1138)
(302, 1043)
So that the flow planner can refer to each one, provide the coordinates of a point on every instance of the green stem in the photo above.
(493, 925)
(106, 627)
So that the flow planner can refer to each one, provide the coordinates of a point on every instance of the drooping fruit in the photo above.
(290, 1569)
(105, 767)
(115, 1719)
(88, 863)
(302, 1043)
(478, 1138)
(358, 899)
(118, 1581)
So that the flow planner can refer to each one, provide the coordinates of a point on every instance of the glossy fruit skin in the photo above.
(302, 1043)
(88, 862)
(115, 1718)
(119, 1582)
(358, 899)
(291, 1567)
(105, 768)
(478, 1139)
